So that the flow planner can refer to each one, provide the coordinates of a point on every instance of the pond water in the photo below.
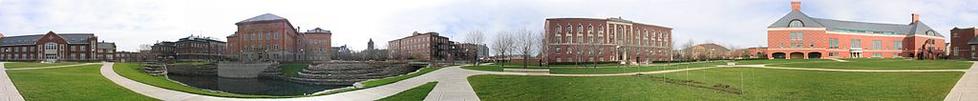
(251, 86)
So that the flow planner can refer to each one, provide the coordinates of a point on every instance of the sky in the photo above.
(732, 23)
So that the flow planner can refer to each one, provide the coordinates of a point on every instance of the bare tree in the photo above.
(527, 44)
(687, 53)
(503, 43)
(477, 38)
(145, 47)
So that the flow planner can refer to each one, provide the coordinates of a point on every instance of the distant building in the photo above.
(707, 51)
(964, 43)
(372, 53)
(420, 46)
(798, 36)
(194, 48)
(468, 51)
(317, 44)
(105, 51)
(49, 47)
(605, 40)
(276, 37)
(341, 53)
(125, 56)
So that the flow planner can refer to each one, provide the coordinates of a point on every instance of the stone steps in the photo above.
(347, 73)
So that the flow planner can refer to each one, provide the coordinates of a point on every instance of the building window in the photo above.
(855, 43)
(797, 39)
(898, 45)
(834, 43)
(796, 36)
(796, 23)
(558, 29)
(877, 45)
(877, 55)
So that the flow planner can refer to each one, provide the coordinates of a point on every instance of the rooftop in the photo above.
(263, 17)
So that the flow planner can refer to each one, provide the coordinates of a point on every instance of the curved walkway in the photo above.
(62, 66)
(8, 92)
(967, 87)
(452, 86)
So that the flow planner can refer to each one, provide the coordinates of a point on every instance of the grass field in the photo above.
(628, 69)
(750, 84)
(292, 69)
(882, 64)
(389, 80)
(132, 71)
(413, 94)
(36, 64)
(780, 61)
(81, 83)
(602, 68)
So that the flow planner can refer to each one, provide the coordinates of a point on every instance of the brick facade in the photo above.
(52, 46)
(279, 39)
(191, 48)
(963, 43)
(797, 36)
(605, 40)
(420, 46)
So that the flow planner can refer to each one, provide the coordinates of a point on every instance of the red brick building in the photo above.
(277, 37)
(53, 47)
(317, 44)
(605, 40)
(420, 46)
(192, 48)
(964, 44)
(798, 36)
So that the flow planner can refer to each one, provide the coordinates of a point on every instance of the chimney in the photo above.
(796, 5)
(915, 17)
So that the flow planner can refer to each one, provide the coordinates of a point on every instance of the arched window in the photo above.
(931, 32)
(50, 46)
(558, 29)
(796, 23)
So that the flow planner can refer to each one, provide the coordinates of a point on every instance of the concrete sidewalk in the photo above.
(8, 92)
(967, 87)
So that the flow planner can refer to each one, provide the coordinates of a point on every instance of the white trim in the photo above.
(862, 34)
(795, 28)
(928, 36)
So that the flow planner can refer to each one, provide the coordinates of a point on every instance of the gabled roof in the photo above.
(784, 21)
(840, 25)
(105, 45)
(71, 38)
(263, 17)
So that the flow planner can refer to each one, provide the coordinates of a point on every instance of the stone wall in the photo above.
(189, 69)
(246, 70)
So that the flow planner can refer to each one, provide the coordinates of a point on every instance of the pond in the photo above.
(252, 86)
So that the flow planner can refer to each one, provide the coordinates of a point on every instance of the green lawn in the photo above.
(602, 68)
(35, 64)
(133, 72)
(484, 68)
(628, 69)
(413, 94)
(292, 69)
(881, 64)
(780, 61)
(389, 80)
(745, 84)
(82, 83)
